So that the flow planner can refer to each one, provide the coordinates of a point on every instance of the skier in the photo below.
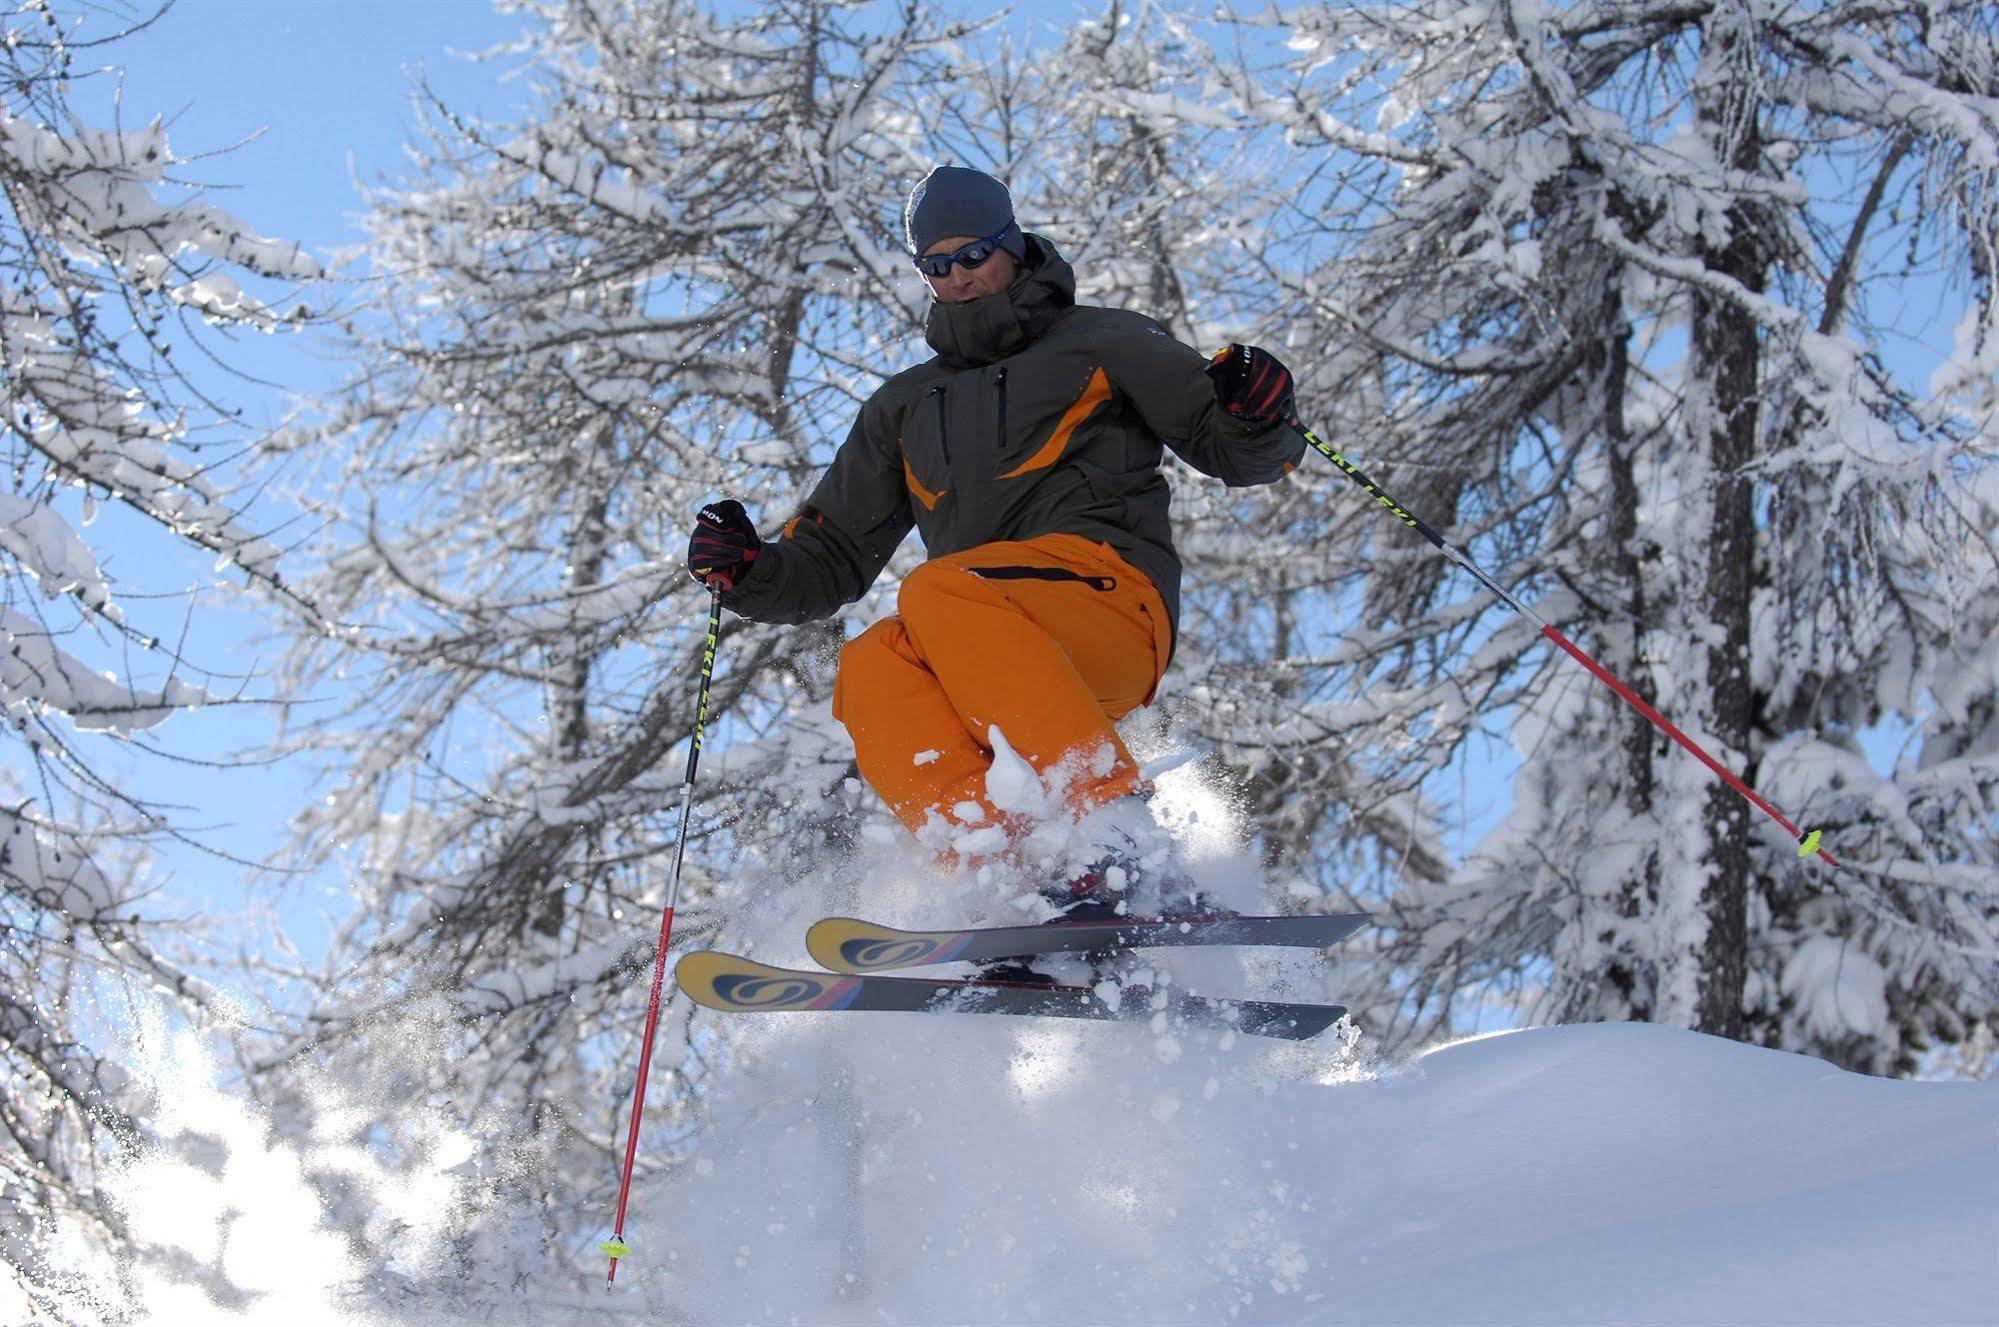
(1027, 453)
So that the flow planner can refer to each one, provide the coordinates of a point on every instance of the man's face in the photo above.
(969, 283)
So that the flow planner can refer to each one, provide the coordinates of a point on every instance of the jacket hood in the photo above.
(992, 327)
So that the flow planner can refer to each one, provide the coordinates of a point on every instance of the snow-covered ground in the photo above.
(872, 1168)
(904, 1168)
(1592, 1174)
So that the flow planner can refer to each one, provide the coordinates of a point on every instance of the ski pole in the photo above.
(616, 1246)
(1808, 842)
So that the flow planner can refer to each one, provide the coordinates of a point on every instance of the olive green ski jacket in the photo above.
(1037, 416)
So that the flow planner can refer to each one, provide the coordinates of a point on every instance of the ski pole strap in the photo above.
(1808, 843)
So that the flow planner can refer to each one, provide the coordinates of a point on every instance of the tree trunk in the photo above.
(1726, 369)
(1638, 781)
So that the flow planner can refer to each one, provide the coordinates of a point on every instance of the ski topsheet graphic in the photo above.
(846, 944)
(742, 986)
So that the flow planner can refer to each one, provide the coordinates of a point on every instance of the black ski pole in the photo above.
(616, 1246)
(1808, 842)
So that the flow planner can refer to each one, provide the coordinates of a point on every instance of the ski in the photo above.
(741, 986)
(846, 944)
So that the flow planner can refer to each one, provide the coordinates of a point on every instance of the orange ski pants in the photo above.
(1051, 639)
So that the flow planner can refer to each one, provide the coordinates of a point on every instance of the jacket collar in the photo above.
(988, 329)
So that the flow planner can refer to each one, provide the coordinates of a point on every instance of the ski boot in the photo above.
(1117, 883)
(1013, 972)
(1092, 894)
(1128, 882)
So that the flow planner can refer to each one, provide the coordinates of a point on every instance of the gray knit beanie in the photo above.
(956, 200)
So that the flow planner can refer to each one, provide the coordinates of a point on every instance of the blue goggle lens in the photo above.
(971, 255)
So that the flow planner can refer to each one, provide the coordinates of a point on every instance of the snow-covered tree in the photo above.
(107, 264)
(1628, 299)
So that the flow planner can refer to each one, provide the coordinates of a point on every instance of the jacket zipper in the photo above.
(943, 427)
(999, 380)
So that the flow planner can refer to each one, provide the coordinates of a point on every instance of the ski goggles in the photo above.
(971, 255)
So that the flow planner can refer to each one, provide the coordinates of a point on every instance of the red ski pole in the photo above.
(1808, 842)
(616, 1246)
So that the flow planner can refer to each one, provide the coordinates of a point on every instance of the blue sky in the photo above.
(302, 101)
(328, 84)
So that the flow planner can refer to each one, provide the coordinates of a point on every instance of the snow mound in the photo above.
(904, 1168)
(1640, 1174)
(956, 1168)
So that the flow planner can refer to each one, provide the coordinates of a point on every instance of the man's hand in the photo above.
(1252, 384)
(723, 545)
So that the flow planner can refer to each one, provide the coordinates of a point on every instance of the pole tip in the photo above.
(1809, 843)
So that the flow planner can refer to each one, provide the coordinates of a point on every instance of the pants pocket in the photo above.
(1104, 584)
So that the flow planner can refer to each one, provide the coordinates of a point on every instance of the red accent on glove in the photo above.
(1251, 384)
(723, 546)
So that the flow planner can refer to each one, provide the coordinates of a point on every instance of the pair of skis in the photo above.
(857, 952)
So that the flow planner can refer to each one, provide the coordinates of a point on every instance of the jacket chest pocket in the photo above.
(927, 446)
(953, 433)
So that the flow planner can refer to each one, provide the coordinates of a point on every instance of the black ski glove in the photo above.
(723, 545)
(1251, 384)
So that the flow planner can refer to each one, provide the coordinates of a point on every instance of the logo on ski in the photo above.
(727, 982)
(863, 955)
(786, 992)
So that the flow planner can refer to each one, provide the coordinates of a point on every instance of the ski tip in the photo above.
(740, 985)
(847, 944)
(1809, 843)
